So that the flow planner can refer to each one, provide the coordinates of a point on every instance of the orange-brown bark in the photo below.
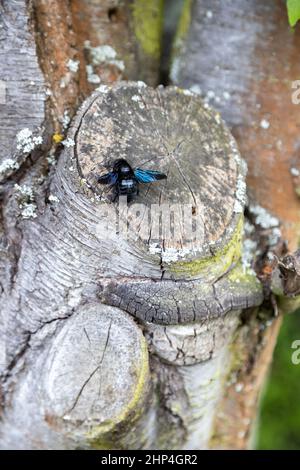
(271, 153)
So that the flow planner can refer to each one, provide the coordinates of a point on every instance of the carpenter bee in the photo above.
(126, 180)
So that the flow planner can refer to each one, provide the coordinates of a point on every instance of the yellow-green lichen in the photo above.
(241, 275)
(184, 22)
(148, 25)
(219, 263)
(105, 435)
(289, 304)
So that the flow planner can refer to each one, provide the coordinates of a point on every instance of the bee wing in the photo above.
(108, 178)
(148, 176)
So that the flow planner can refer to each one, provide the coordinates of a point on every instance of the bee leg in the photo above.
(115, 195)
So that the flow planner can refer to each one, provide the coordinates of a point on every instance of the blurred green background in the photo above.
(279, 426)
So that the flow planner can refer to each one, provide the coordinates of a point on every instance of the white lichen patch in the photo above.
(73, 65)
(26, 141)
(187, 92)
(295, 172)
(238, 208)
(268, 222)
(51, 159)
(8, 165)
(248, 228)
(196, 89)
(249, 253)
(210, 95)
(25, 191)
(217, 99)
(104, 54)
(101, 54)
(53, 198)
(92, 77)
(274, 236)
(65, 120)
(68, 142)
(240, 194)
(169, 255)
(103, 89)
(263, 217)
(154, 249)
(239, 387)
(264, 124)
(64, 82)
(138, 100)
(240, 161)
(74, 297)
(26, 201)
(29, 211)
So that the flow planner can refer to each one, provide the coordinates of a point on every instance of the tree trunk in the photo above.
(242, 58)
(121, 326)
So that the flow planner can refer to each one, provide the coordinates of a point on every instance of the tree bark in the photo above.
(242, 58)
(118, 338)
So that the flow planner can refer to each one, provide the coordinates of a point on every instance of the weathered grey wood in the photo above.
(192, 343)
(240, 57)
(59, 343)
(23, 100)
(28, 351)
(190, 393)
(219, 67)
(72, 257)
(89, 379)
(182, 302)
(54, 53)
(197, 153)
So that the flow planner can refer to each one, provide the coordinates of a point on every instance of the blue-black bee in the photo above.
(126, 180)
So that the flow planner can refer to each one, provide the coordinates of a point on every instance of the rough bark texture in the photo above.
(253, 90)
(242, 58)
(43, 60)
(22, 78)
(111, 339)
(72, 256)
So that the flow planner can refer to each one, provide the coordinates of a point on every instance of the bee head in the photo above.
(122, 166)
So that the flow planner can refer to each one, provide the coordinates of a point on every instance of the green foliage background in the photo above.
(293, 7)
(279, 426)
